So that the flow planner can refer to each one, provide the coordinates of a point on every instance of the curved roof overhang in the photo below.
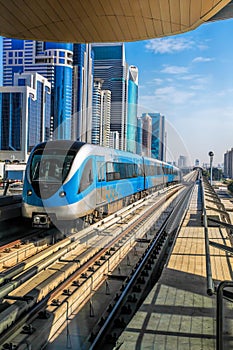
(103, 20)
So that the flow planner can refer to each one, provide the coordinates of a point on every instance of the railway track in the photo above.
(39, 294)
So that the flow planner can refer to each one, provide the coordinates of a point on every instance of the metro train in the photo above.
(69, 181)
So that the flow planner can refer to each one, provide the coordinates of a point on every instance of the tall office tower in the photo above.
(158, 135)
(96, 112)
(110, 65)
(146, 135)
(139, 136)
(182, 162)
(83, 70)
(228, 164)
(101, 110)
(114, 139)
(52, 60)
(105, 118)
(24, 114)
(132, 108)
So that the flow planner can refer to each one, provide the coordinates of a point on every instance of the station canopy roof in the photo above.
(106, 20)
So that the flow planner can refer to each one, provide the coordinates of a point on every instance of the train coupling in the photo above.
(41, 220)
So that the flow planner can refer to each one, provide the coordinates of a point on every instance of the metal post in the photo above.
(220, 313)
(211, 154)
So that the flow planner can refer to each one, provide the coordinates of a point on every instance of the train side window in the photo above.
(87, 176)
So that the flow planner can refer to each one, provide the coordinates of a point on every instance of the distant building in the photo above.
(24, 115)
(83, 72)
(110, 66)
(105, 118)
(114, 139)
(182, 162)
(146, 135)
(96, 112)
(139, 136)
(52, 60)
(157, 135)
(132, 107)
(228, 164)
(197, 162)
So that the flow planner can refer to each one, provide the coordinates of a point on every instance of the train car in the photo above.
(67, 180)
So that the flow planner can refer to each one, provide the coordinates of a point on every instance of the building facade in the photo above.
(157, 135)
(146, 135)
(228, 164)
(24, 115)
(132, 109)
(105, 118)
(52, 60)
(139, 136)
(83, 71)
(110, 66)
(182, 161)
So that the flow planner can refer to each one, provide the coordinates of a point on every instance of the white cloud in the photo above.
(173, 95)
(203, 59)
(174, 70)
(169, 45)
(158, 81)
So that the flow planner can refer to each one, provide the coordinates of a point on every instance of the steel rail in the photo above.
(164, 230)
(83, 268)
(210, 283)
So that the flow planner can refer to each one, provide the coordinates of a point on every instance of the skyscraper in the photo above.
(158, 135)
(132, 107)
(96, 112)
(100, 114)
(139, 136)
(83, 70)
(146, 134)
(110, 66)
(52, 60)
(24, 114)
(105, 118)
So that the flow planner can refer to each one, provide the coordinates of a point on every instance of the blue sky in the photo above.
(189, 79)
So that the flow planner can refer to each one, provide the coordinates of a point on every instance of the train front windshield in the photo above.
(51, 165)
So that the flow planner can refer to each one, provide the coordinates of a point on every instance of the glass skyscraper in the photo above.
(158, 135)
(24, 114)
(110, 66)
(132, 107)
(83, 71)
(52, 60)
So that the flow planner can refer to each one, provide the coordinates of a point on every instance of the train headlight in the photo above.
(29, 192)
(62, 194)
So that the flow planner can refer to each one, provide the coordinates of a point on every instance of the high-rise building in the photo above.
(110, 66)
(132, 107)
(96, 112)
(101, 109)
(146, 135)
(228, 164)
(105, 118)
(83, 70)
(139, 136)
(24, 115)
(52, 60)
(114, 139)
(182, 162)
(158, 135)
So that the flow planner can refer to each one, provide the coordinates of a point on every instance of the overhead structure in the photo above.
(104, 20)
